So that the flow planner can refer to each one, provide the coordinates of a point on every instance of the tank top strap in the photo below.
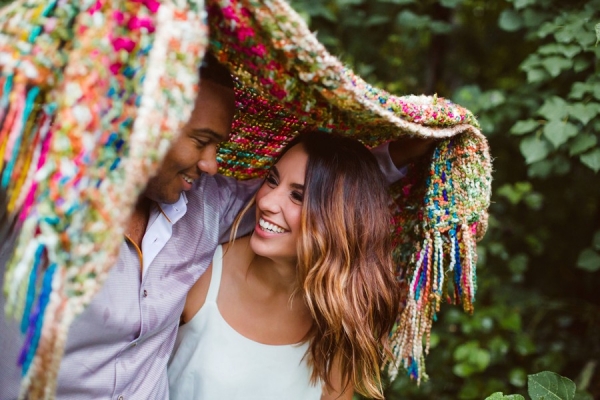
(215, 279)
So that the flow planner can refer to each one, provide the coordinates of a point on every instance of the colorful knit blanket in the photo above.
(93, 91)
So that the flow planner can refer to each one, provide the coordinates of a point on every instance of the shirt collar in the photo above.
(175, 211)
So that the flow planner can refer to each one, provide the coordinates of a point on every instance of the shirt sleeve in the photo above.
(390, 171)
(234, 195)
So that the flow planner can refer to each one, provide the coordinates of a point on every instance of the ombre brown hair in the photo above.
(345, 268)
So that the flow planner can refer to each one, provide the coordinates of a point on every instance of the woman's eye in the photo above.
(298, 196)
(271, 180)
(201, 143)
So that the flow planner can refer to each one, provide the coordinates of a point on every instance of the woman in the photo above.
(302, 308)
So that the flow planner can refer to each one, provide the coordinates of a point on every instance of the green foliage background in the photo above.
(529, 69)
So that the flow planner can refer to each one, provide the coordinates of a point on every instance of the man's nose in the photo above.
(208, 160)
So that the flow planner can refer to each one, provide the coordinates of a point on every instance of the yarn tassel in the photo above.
(25, 201)
(36, 320)
(31, 288)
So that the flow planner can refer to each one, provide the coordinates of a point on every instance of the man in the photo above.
(119, 346)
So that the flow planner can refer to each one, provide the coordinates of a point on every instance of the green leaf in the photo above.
(583, 396)
(409, 19)
(537, 75)
(498, 346)
(562, 166)
(451, 3)
(344, 3)
(596, 240)
(584, 112)
(518, 264)
(579, 89)
(501, 396)
(517, 377)
(591, 159)
(480, 358)
(582, 142)
(463, 369)
(585, 39)
(321, 11)
(511, 322)
(522, 127)
(375, 20)
(534, 201)
(540, 169)
(532, 61)
(585, 376)
(564, 35)
(596, 90)
(547, 49)
(469, 96)
(534, 149)
(515, 193)
(589, 260)
(580, 64)
(403, 2)
(510, 20)
(532, 18)
(550, 386)
(546, 29)
(569, 50)
(461, 353)
(523, 3)
(597, 29)
(556, 64)
(524, 345)
(440, 27)
(558, 132)
(554, 108)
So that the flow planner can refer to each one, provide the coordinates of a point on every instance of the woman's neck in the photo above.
(279, 275)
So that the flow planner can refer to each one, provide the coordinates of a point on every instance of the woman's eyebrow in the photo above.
(275, 171)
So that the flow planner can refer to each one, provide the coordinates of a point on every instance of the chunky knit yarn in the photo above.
(93, 91)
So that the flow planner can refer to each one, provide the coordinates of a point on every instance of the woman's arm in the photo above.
(196, 296)
(337, 391)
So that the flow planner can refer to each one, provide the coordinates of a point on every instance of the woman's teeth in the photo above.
(269, 226)
(187, 179)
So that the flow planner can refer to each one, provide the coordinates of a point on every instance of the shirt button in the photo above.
(133, 344)
(121, 397)
(145, 293)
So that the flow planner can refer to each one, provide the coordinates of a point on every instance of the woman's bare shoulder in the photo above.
(237, 255)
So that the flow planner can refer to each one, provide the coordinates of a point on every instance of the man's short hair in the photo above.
(215, 72)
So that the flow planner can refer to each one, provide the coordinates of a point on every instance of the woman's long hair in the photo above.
(345, 267)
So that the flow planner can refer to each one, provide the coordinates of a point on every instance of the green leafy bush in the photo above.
(529, 70)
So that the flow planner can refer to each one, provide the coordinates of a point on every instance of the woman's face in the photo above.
(278, 208)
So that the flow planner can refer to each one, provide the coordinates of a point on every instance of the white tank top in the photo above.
(212, 361)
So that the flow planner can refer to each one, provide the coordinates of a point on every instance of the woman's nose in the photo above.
(270, 201)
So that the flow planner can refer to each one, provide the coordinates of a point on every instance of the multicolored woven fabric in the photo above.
(93, 91)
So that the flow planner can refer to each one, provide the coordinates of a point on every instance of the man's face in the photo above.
(195, 150)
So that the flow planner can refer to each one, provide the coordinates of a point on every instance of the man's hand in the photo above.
(405, 150)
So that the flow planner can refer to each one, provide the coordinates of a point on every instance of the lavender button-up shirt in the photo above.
(118, 348)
